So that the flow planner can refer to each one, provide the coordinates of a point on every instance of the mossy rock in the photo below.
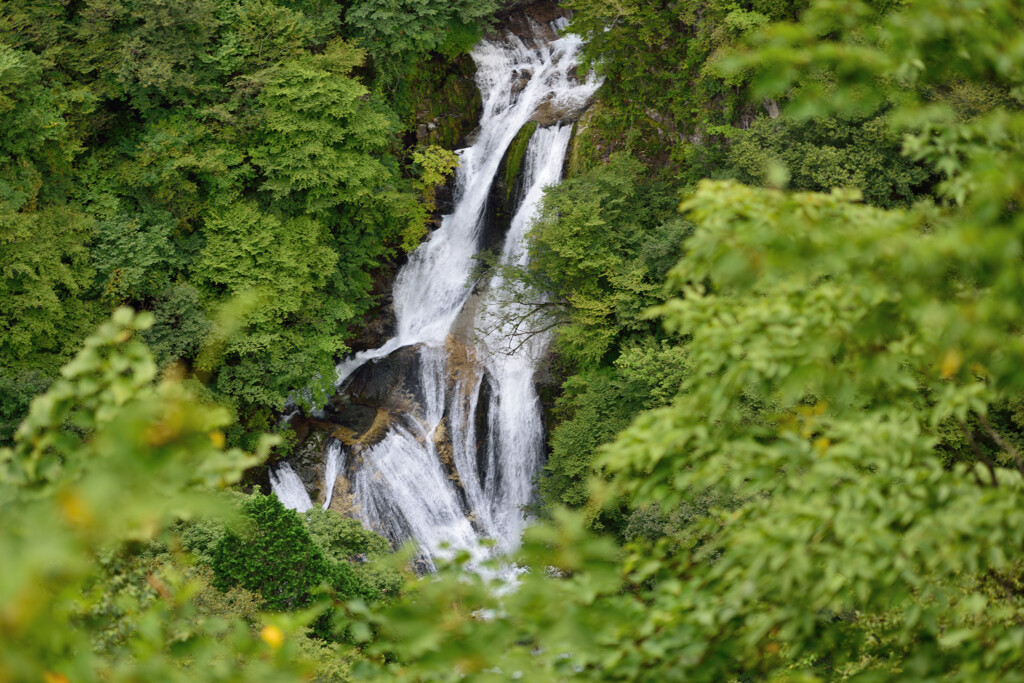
(444, 102)
(514, 159)
(586, 147)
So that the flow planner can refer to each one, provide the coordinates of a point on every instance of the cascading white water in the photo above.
(516, 430)
(289, 488)
(432, 478)
(431, 289)
(335, 463)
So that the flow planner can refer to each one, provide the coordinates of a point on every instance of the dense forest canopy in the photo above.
(175, 156)
(785, 396)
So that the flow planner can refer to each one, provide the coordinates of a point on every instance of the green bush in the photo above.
(273, 556)
(863, 153)
(351, 546)
(287, 557)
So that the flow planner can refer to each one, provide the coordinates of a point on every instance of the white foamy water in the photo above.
(289, 488)
(335, 464)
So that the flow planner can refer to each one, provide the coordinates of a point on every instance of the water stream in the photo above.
(458, 460)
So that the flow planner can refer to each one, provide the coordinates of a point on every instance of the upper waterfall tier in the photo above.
(431, 289)
(516, 78)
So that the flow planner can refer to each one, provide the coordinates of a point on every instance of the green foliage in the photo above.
(275, 557)
(809, 526)
(397, 32)
(113, 371)
(130, 582)
(39, 136)
(289, 559)
(261, 33)
(660, 98)
(109, 456)
(18, 388)
(340, 537)
(133, 130)
(584, 249)
(45, 271)
(333, 662)
(137, 258)
(181, 324)
(346, 541)
(863, 154)
(598, 404)
(318, 141)
(148, 53)
(434, 165)
(283, 265)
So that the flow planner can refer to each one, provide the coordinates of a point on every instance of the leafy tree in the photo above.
(598, 404)
(181, 324)
(346, 541)
(136, 257)
(397, 32)
(318, 140)
(862, 154)
(284, 266)
(149, 53)
(39, 135)
(45, 271)
(660, 98)
(585, 249)
(261, 33)
(45, 278)
(134, 129)
(276, 558)
(106, 432)
(340, 537)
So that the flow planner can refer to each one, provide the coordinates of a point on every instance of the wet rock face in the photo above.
(385, 381)
(497, 214)
(357, 418)
(505, 192)
(363, 410)
(341, 499)
(516, 16)
(549, 113)
(482, 423)
(308, 458)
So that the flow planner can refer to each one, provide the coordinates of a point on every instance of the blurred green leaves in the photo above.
(112, 454)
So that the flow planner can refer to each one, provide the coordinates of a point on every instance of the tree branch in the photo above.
(1008, 447)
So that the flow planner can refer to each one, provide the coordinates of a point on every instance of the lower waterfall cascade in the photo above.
(463, 441)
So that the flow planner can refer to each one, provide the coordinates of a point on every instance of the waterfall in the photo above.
(464, 443)
(289, 488)
(335, 463)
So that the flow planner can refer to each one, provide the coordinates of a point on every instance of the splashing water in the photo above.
(289, 488)
(335, 464)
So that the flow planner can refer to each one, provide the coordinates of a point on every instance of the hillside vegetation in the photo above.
(786, 422)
